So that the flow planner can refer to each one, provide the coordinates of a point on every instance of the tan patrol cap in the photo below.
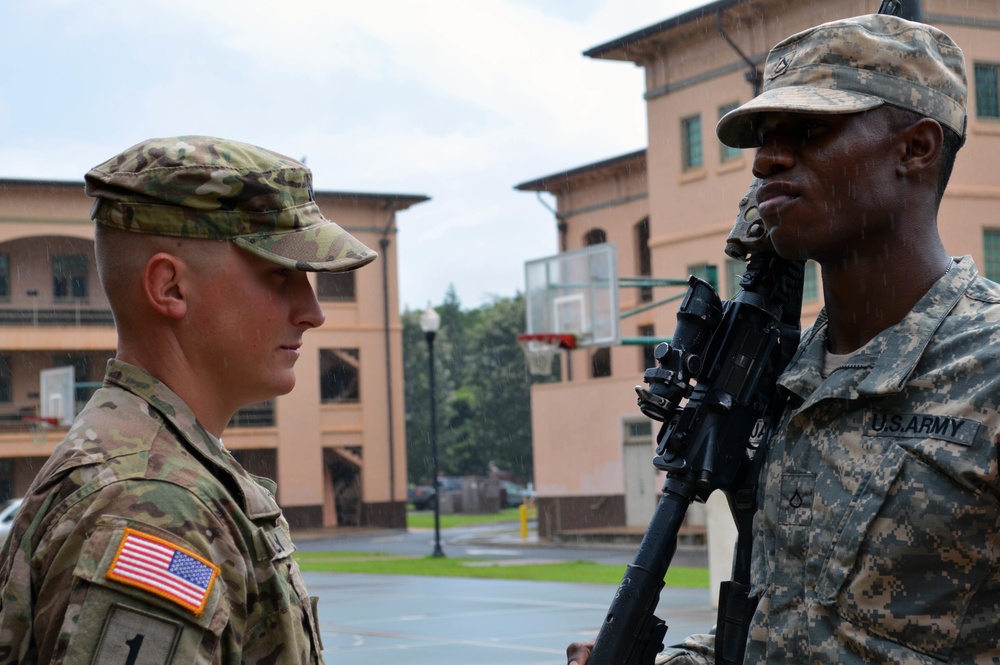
(206, 187)
(854, 65)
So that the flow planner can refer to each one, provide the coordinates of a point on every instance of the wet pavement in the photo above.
(366, 619)
(491, 541)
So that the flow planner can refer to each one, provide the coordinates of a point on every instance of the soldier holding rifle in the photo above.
(878, 532)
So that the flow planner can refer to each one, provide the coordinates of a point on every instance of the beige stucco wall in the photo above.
(34, 217)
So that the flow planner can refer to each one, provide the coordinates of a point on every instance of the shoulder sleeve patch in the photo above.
(131, 636)
(163, 569)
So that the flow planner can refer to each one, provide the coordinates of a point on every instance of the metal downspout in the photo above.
(383, 244)
(754, 76)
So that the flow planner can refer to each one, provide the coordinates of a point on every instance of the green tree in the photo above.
(483, 391)
(416, 385)
(503, 387)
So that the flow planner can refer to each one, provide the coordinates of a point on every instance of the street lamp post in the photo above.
(430, 321)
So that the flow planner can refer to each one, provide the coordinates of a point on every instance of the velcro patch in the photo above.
(164, 569)
(131, 636)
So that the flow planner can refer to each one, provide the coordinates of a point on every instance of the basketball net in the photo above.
(541, 348)
(39, 427)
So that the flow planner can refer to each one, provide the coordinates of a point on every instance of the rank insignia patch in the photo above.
(163, 569)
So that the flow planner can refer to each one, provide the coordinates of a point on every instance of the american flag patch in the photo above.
(164, 569)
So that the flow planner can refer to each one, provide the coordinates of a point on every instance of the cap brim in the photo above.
(739, 127)
(323, 247)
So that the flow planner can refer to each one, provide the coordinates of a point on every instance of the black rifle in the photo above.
(724, 359)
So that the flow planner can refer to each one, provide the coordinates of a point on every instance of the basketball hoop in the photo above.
(39, 427)
(540, 349)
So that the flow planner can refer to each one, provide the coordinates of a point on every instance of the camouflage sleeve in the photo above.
(698, 649)
(139, 572)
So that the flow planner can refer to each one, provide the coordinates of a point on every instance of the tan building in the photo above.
(668, 210)
(336, 444)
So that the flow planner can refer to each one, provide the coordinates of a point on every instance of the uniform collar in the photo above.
(257, 494)
(883, 365)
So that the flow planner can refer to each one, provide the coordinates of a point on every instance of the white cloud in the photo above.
(454, 99)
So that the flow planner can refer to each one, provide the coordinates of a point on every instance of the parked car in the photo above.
(513, 495)
(7, 512)
(424, 495)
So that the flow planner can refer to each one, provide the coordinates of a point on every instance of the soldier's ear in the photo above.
(161, 285)
(920, 147)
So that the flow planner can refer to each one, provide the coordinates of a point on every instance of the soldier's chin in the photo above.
(282, 385)
(285, 390)
(791, 249)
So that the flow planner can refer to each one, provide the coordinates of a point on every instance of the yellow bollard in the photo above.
(524, 520)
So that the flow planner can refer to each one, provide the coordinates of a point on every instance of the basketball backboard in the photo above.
(574, 293)
(58, 391)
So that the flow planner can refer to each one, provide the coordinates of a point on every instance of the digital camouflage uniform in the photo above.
(142, 541)
(879, 529)
(856, 65)
(137, 459)
(879, 532)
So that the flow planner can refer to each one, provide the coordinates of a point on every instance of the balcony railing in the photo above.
(56, 317)
(14, 419)
(260, 414)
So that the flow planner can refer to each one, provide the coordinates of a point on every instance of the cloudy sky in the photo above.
(458, 100)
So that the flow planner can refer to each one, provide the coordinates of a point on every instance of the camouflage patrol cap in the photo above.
(854, 65)
(211, 188)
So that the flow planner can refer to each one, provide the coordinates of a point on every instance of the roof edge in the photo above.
(544, 183)
(604, 50)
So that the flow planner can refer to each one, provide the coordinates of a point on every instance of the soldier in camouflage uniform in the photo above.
(878, 536)
(142, 540)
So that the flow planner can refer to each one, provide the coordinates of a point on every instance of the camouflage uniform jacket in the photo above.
(142, 540)
(878, 539)
(878, 536)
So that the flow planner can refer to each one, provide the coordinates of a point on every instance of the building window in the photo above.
(987, 95)
(707, 272)
(647, 358)
(595, 237)
(728, 153)
(734, 273)
(69, 277)
(261, 462)
(691, 154)
(335, 286)
(644, 258)
(338, 375)
(810, 281)
(260, 414)
(991, 254)
(638, 431)
(735, 270)
(6, 381)
(4, 276)
(600, 362)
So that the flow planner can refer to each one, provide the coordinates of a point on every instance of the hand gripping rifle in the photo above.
(724, 360)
